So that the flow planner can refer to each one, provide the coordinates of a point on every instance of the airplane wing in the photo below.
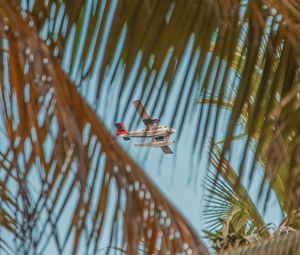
(166, 149)
(140, 108)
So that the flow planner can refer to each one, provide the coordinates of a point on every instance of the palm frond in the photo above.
(231, 218)
(236, 40)
(285, 244)
(53, 135)
(231, 185)
(228, 221)
(226, 204)
(264, 33)
(7, 207)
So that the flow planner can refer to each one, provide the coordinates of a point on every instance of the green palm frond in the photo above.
(232, 224)
(232, 184)
(52, 133)
(225, 204)
(228, 221)
(253, 42)
(231, 218)
(249, 49)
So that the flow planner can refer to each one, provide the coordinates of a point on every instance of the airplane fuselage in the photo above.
(157, 131)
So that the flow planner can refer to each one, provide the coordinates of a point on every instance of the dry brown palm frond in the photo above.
(54, 136)
(265, 33)
(285, 244)
(248, 48)
(8, 206)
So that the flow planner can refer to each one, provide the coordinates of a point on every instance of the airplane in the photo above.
(160, 134)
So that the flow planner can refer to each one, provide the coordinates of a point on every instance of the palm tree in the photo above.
(53, 137)
(234, 224)
(57, 58)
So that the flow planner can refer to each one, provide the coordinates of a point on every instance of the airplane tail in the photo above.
(121, 130)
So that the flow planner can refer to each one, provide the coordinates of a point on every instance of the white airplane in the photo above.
(160, 134)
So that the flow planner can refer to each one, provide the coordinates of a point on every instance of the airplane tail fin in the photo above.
(121, 130)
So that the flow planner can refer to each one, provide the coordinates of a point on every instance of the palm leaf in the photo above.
(231, 218)
(235, 38)
(285, 244)
(228, 221)
(7, 207)
(270, 29)
(53, 134)
(231, 187)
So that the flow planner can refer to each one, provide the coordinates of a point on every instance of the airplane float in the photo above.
(160, 134)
